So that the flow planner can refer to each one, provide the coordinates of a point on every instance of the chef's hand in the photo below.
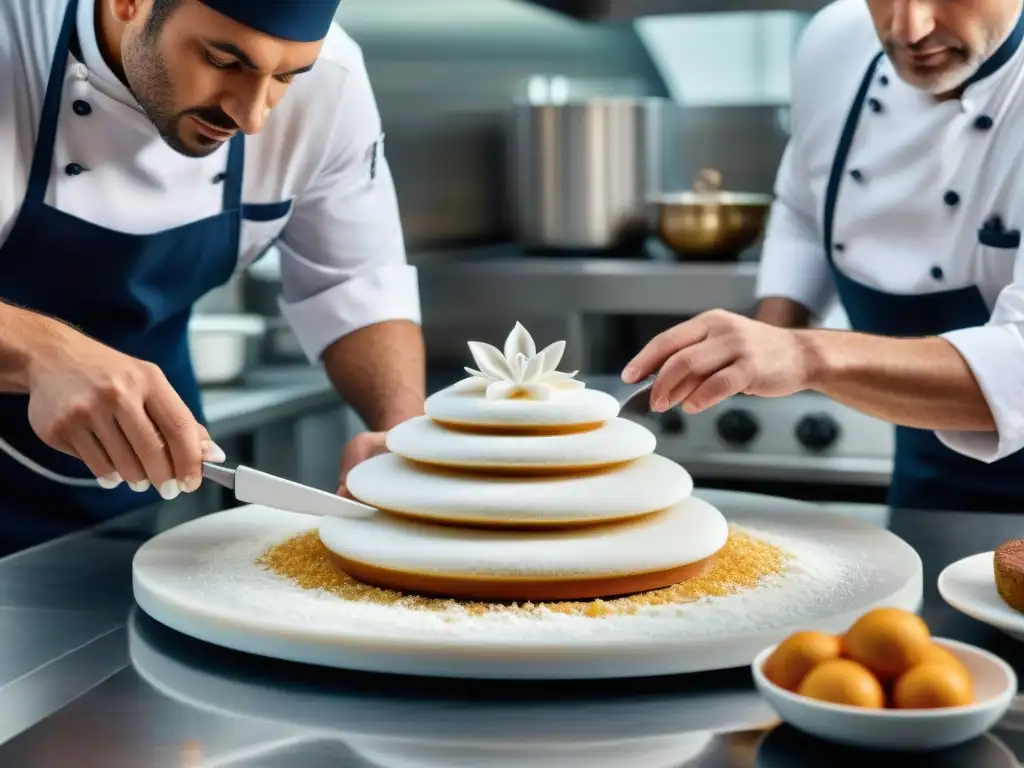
(363, 446)
(119, 415)
(716, 355)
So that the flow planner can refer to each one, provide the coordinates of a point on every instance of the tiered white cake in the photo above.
(521, 484)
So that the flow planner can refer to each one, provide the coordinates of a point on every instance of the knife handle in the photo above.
(219, 475)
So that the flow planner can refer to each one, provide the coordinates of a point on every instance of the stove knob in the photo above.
(671, 422)
(737, 427)
(817, 431)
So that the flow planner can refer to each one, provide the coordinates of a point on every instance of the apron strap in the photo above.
(843, 152)
(43, 157)
(234, 173)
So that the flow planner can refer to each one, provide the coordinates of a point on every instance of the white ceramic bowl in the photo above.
(995, 685)
(219, 345)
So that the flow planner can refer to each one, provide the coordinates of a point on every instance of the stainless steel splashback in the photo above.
(745, 144)
(446, 74)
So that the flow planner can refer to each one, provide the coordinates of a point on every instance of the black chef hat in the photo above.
(301, 21)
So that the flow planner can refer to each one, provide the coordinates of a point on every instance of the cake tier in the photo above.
(563, 411)
(639, 487)
(425, 440)
(411, 556)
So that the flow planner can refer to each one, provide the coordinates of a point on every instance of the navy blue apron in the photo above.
(132, 292)
(926, 474)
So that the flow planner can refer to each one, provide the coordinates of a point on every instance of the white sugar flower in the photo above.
(520, 371)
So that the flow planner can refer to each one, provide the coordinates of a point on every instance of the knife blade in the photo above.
(251, 486)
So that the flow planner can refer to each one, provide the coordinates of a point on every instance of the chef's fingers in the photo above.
(120, 451)
(686, 369)
(178, 428)
(150, 447)
(211, 451)
(723, 384)
(87, 447)
(663, 346)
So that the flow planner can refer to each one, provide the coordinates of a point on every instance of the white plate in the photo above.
(995, 685)
(969, 585)
(200, 579)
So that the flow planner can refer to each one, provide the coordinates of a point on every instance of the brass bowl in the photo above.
(707, 222)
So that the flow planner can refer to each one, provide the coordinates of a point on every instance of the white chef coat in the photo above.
(900, 230)
(343, 258)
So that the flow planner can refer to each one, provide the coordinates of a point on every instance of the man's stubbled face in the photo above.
(201, 77)
(937, 45)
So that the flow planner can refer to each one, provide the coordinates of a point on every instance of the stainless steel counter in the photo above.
(480, 291)
(66, 596)
(87, 681)
(479, 281)
(267, 395)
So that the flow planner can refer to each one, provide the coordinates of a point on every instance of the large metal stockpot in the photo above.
(580, 171)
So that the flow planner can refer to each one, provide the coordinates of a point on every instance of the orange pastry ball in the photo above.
(936, 654)
(797, 655)
(888, 641)
(930, 686)
(842, 681)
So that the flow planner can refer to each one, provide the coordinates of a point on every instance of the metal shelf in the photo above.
(502, 279)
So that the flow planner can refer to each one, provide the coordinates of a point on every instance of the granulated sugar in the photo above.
(742, 563)
(787, 579)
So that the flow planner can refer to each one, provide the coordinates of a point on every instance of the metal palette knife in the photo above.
(251, 486)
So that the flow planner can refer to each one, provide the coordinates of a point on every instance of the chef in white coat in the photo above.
(150, 149)
(901, 192)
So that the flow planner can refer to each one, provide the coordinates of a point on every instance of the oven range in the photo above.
(802, 446)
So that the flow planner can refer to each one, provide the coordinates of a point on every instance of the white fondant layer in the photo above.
(685, 533)
(467, 406)
(615, 441)
(625, 490)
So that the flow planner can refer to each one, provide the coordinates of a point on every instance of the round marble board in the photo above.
(201, 579)
(420, 715)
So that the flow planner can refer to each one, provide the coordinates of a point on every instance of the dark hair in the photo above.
(158, 14)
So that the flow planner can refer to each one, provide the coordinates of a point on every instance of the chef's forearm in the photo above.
(922, 383)
(380, 371)
(27, 339)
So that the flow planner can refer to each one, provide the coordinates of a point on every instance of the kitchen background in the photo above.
(519, 132)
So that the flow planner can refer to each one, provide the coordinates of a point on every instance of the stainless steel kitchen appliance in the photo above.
(580, 171)
(802, 446)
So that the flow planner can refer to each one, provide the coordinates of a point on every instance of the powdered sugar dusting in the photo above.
(821, 579)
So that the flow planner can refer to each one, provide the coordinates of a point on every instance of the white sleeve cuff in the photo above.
(995, 355)
(800, 279)
(793, 264)
(798, 274)
(388, 293)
